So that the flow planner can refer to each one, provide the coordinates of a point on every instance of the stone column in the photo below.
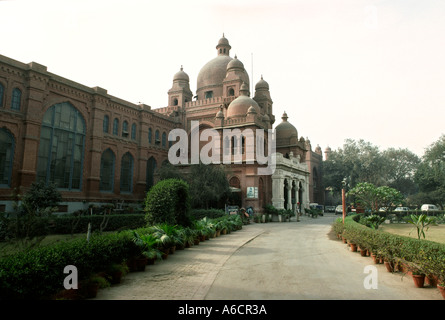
(289, 195)
(277, 192)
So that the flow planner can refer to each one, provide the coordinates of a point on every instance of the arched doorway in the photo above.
(300, 196)
(286, 195)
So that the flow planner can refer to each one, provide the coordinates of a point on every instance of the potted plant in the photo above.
(116, 271)
(441, 287)
(90, 286)
(280, 215)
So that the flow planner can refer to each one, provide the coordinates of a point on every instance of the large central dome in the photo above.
(212, 74)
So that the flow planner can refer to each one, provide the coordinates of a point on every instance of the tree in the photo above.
(208, 185)
(371, 197)
(430, 175)
(30, 221)
(358, 161)
(400, 166)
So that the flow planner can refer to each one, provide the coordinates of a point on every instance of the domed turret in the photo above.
(261, 85)
(235, 64)
(181, 75)
(285, 131)
(180, 92)
(241, 105)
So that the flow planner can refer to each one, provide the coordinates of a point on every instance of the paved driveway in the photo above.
(286, 261)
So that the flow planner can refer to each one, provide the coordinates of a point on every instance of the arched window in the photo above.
(125, 129)
(6, 157)
(2, 91)
(151, 167)
(243, 144)
(149, 135)
(157, 137)
(16, 99)
(175, 102)
(61, 149)
(226, 145)
(231, 92)
(127, 173)
(234, 145)
(106, 123)
(107, 164)
(164, 139)
(133, 131)
(116, 126)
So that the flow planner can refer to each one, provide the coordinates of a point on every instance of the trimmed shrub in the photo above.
(198, 214)
(422, 255)
(39, 273)
(168, 201)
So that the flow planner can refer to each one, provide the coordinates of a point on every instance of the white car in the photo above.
(402, 209)
(339, 209)
(429, 207)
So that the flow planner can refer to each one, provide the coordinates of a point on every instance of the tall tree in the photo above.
(430, 175)
(400, 166)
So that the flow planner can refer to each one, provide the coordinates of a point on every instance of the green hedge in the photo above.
(38, 273)
(64, 224)
(67, 224)
(425, 256)
(198, 214)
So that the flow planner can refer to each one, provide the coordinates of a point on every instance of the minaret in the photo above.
(180, 92)
(223, 47)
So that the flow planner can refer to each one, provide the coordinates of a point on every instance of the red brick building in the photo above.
(98, 148)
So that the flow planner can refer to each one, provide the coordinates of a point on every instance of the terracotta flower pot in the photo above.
(375, 258)
(431, 280)
(389, 266)
(419, 280)
(441, 288)
(353, 247)
(363, 252)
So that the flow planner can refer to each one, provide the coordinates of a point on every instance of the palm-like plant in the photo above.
(422, 223)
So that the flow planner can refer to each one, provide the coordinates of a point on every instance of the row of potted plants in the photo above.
(423, 260)
(154, 243)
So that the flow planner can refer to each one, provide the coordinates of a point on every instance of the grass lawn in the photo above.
(434, 233)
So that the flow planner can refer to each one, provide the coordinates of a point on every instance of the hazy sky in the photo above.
(372, 70)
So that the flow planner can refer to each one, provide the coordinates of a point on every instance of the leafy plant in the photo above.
(422, 223)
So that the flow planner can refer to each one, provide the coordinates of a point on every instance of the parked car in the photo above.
(329, 208)
(429, 207)
(402, 209)
(339, 209)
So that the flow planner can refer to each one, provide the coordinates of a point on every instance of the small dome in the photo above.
(181, 75)
(285, 131)
(223, 41)
(262, 85)
(266, 118)
(235, 64)
(251, 110)
(241, 106)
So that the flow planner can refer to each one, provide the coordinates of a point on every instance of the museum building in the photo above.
(100, 149)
